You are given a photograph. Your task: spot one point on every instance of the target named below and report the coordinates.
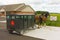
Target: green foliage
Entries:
(40, 12)
(53, 23)
(37, 12)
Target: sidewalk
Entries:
(48, 33)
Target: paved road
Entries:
(4, 35)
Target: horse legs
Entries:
(44, 23)
(40, 25)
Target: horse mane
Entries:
(44, 16)
(47, 14)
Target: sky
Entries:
(41, 5)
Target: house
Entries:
(22, 8)
(16, 8)
(19, 17)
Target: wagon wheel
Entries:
(20, 32)
(10, 31)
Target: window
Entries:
(13, 17)
(8, 17)
(25, 17)
(29, 17)
(17, 16)
(21, 16)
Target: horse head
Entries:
(44, 16)
(47, 14)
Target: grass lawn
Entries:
(53, 23)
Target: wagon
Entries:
(19, 22)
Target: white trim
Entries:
(19, 7)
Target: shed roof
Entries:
(12, 7)
(17, 7)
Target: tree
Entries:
(40, 12)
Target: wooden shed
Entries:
(19, 17)
(16, 7)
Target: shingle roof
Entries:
(12, 7)
(26, 8)
(17, 7)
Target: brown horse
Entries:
(41, 19)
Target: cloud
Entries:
(43, 5)
(1, 3)
(50, 8)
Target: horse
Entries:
(42, 19)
